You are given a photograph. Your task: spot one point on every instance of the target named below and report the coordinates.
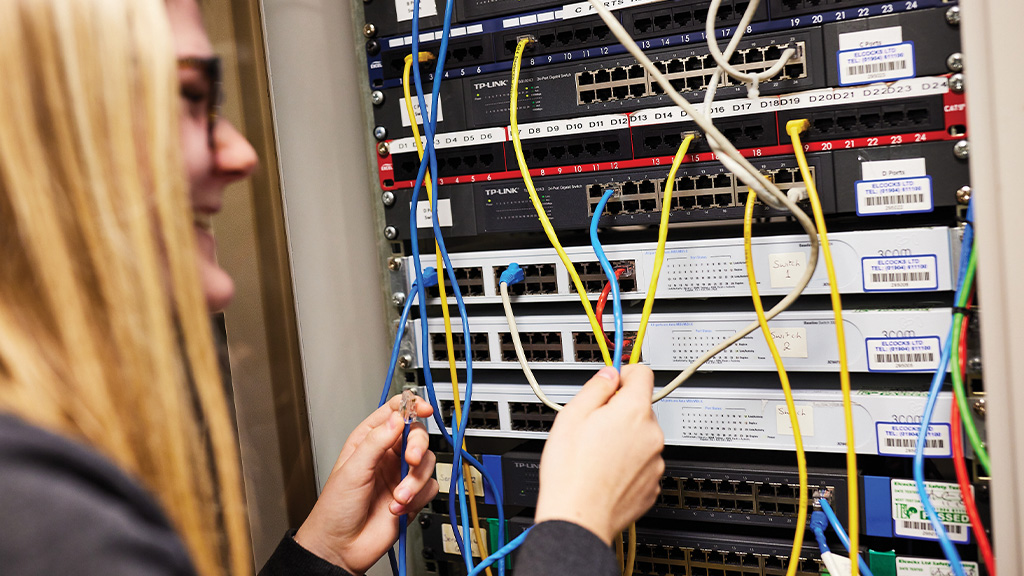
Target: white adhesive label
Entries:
(882, 274)
(451, 139)
(443, 472)
(892, 169)
(419, 116)
(901, 440)
(786, 269)
(444, 213)
(791, 342)
(931, 567)
(403, 9)
(452, 547)
(871, 38)
(910, 519)
(876, 64)
(580, 9)
(572, 126)
(897, 196)
(903, 354)
(804, 417)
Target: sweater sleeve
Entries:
(558, 548)
(291, 559)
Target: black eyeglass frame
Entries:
(212, 72)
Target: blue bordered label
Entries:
(900, 274)
(894, 196)
(903, 354)
(895, 439)
(876, 64)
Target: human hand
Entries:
(355, 521)
(602, 466)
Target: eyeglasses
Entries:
(210, 68)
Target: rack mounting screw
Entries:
(974, 363)
(398, 299)
(377, 97)
(955, 62)
(956, 83)
(404, 361)
(380, 133)
(369, 30)
(963, 194)
(383, 149)
(388, 198)
(394, 263)
(979, 406)
(962, 149)
(953, 15)
(372, 47)
(391, 232)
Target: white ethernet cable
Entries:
(752, 79)
(766, 190)
(520, 354)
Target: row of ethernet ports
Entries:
(537, 347)
(540, 279)
(656, 560)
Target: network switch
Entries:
(891, 260)
(728, 416)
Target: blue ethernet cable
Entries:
(818, 525)
(843, 537)
(403, 520)
(609, 272)
(948, 548)
(500, 554)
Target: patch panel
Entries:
(461, 52)
(682, 18)
(849, 122)
(687, 74)
(664, 552)
(713, 411)
(470, 280)
(586, 349)
(530, 417)
(537, 347)
(889, 340)
(482, 415)
(719, 492)
(858, 256)
(478, 347)
(593, 278)
(573, 150)
(785, 8)
(751, 131)
(454, 161)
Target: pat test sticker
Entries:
(910, 520)
(452, 547)
(894, 187)
(878, 55)
(804, 417)
(424, 218)
(419, 115)
(790, 342)
(784, 270)
(896, 439)
(443, 472)
(931, 567)
(403, 9)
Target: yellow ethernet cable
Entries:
(794, 128)
(544, 222)
(659, 256)
(794, 421)
(467, 471)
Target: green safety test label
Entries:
(910, 520)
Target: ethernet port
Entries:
(647, 187)
(643, 25)
(846, 122)
(918, 115)
(558, 152)
(486, 160)
(783, 176)
(685, 183)
(737, 58)
(601, 31)
(695, 63)
(564, 36)
(596, 190)
(602, 76)
(695, 83)
(723, 200)
(823, 125)
(469, 161)
(772, 53)
(668, 501)
(630, 206)
(547, 39)
(582, 34)
(637, 90)
(691, 502)
(676, 66)
(893, 117)
(610, 146)
(648, 205)
(663, 20)
(754, 55)
(870, 120)
(613, 208)
(656, 89)
(584, 78)
(619, 74)
(700, 15)
(629, 189)
(724, 13)
(722, 181)
(636, 71)
(753, 133)
(794, 71)
(705, 200)
(652, 142)
(662, 67)
(703, 182)
(587, 96)
(682, 18)
(673, 140)
(604, 94)
(620, 92)
(575, 150)
(678, 84)
(592, 148)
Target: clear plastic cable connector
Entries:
(408, 408)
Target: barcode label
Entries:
(903, 354)
(894, 196)
(876, 64)
(896, 439)
(906, 273)
(908, 514)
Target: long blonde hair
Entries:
(104, 334)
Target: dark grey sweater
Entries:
(65, 509)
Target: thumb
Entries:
(595, 393)
(375, 445)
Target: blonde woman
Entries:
(117, 455)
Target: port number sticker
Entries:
(903, 354)
(896, 439)
(910, 520)
(885, 274)
(452, 547)
(931, 567)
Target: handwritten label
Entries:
(452, 547)
(419, 116)
(444, 213)
(786, 269)
(804, 417)
(871, 38)
(791, 342)
(403, 10)
(443, 472)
